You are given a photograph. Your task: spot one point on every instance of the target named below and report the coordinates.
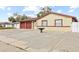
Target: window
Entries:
(44, 23)
(58, 22)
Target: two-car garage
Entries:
(26, 24)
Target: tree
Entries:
(40, 14)
(21, 17)
(44, 11)
(24, 17)
(15, 14)
(18, 18)
(11, 19)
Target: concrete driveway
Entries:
(33, 40)
(9, 48)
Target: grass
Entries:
(7, 28)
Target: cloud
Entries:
(5, 7)
(9, 14)
(8, 8)
(31, 15)
(59, 11)
(2, 7)
(2, 20)
(73, 8)
(30, 10)
(33, 9)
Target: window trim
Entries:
(61, 22)
(46, 23)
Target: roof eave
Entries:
(74, 19)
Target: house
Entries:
(16, 25)
(10, 24)
(52, 21)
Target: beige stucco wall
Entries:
(58, 29)
(51, 22)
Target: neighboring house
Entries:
(16, 25)
(9, 24)
(50, 21)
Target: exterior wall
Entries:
(7, 25)
(58, 29)
(17, 26)
(35, 25)
(67, 21)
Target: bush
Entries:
(7, 28)
(0, 26)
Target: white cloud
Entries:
(31, 8)
(4, 20)
(34, 9)
(73, 8)
(59, 11)
(8, 8)
(2, 7)
(5, 7)
(9, 14)
(31, 15)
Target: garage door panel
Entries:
(26, 25)
(22, 25)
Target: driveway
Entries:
(9, 48)
(33, 40)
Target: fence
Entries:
(75, 27)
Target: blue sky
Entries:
(7, 11)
